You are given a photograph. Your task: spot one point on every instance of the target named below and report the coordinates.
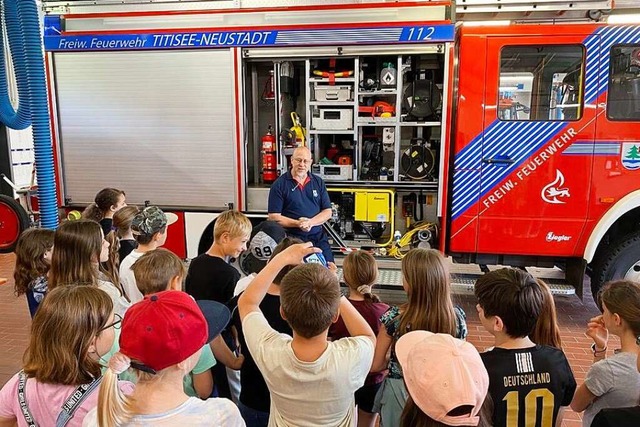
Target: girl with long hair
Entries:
(360, 273)
(58, 385)
(425, 278)
(547, 331)
(122, 223)
(111, 267)
(79, 250)
(118, 247)
(33, 259)
(107, 202)
(612, 382)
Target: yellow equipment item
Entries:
(74, 215)
(401, 247)
(321, 73)
(298, 130)
(372, 207)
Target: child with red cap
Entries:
(161, 339)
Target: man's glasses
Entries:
(303, 161)
(117, 321)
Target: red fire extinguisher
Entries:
(269, 168)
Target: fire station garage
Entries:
(473, 164)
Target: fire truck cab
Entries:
(545, 141)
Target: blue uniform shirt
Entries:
(288, 198)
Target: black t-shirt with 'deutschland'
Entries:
(528, 385)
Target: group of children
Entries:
(115, 340)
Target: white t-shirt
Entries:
(192, 413)
(127, 278)
(318, 393)
(243, 284)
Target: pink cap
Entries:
(443, 373)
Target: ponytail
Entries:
(360, 272)
(114, 407)
(104, 200)
(369, 296)
(93, 212)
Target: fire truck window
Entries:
(624, 83)
(541, 83)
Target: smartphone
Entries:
(315, 258)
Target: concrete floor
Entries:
(573, 313)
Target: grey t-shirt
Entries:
(615, 381)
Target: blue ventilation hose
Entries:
(22, 24)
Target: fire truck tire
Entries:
(206, 238)
(13, 221)
(619, 261)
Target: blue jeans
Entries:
(252, 417)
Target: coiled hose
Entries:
(398, 249)
(21, 21)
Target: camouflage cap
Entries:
(151, 220)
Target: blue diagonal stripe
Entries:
(519, 150)
(527, 137)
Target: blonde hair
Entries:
(114, 407)
(64, 326)
(360, 272)
(30, 263)
(77, 247)
(233, 222)
(155, 269)
(429, 306)
(122, 219)
(546, 330)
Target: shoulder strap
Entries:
(22, 399)
(75, 400)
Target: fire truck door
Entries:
(617, 160)
(533, 193)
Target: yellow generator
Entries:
(363, 217)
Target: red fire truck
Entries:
(502, 144)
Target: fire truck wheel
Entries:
(206, 239)
(619, 261)
(13, 220)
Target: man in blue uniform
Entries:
(299, 201)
